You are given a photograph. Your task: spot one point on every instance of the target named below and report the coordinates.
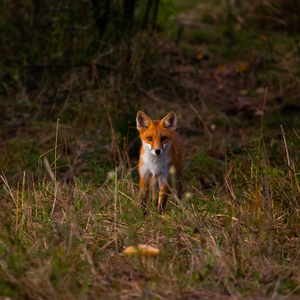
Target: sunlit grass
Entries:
(215, 241)
(235, 232)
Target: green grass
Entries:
(236, 230)
(216, 242)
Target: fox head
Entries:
(156, 135)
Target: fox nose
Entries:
(157, 151)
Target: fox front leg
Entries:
(144, 192)
(154, 185)
(162, 195)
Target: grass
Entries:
(236, 231)
(218, 242)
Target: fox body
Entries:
(161, 149)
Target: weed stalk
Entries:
(55, 155)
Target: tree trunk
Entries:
(101, 13)
(155, 12)
(145, 22)
(128, 6)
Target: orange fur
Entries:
(162, 148)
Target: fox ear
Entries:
(170, 120)
(142, 121)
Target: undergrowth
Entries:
(69, 150)
(66, 240)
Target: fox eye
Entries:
(149, 138)
(163, 138)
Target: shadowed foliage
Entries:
(73, 76)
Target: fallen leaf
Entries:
(242, 67)
(200, 56)
(221, 67)
(262, 36)
(141, 249)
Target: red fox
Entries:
(161, 149)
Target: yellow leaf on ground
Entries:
(141, 249)
(262, 37)
(242, 67)
(200, 56)
(221, 67)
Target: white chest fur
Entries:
(156, 164)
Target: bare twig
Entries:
(132, 142)
(296, 133)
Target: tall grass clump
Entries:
(73, 76)
(239, 239)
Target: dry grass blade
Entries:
(7, 187)
(202, 121)
(115, 213)
(48, 168)
(236, 236)
(289, 166)
(286, 148)
(55, 185)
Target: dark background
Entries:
(94, 64)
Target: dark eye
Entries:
(163, 138)
(149, 138)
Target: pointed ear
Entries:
(170, 120)
(142, 121)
